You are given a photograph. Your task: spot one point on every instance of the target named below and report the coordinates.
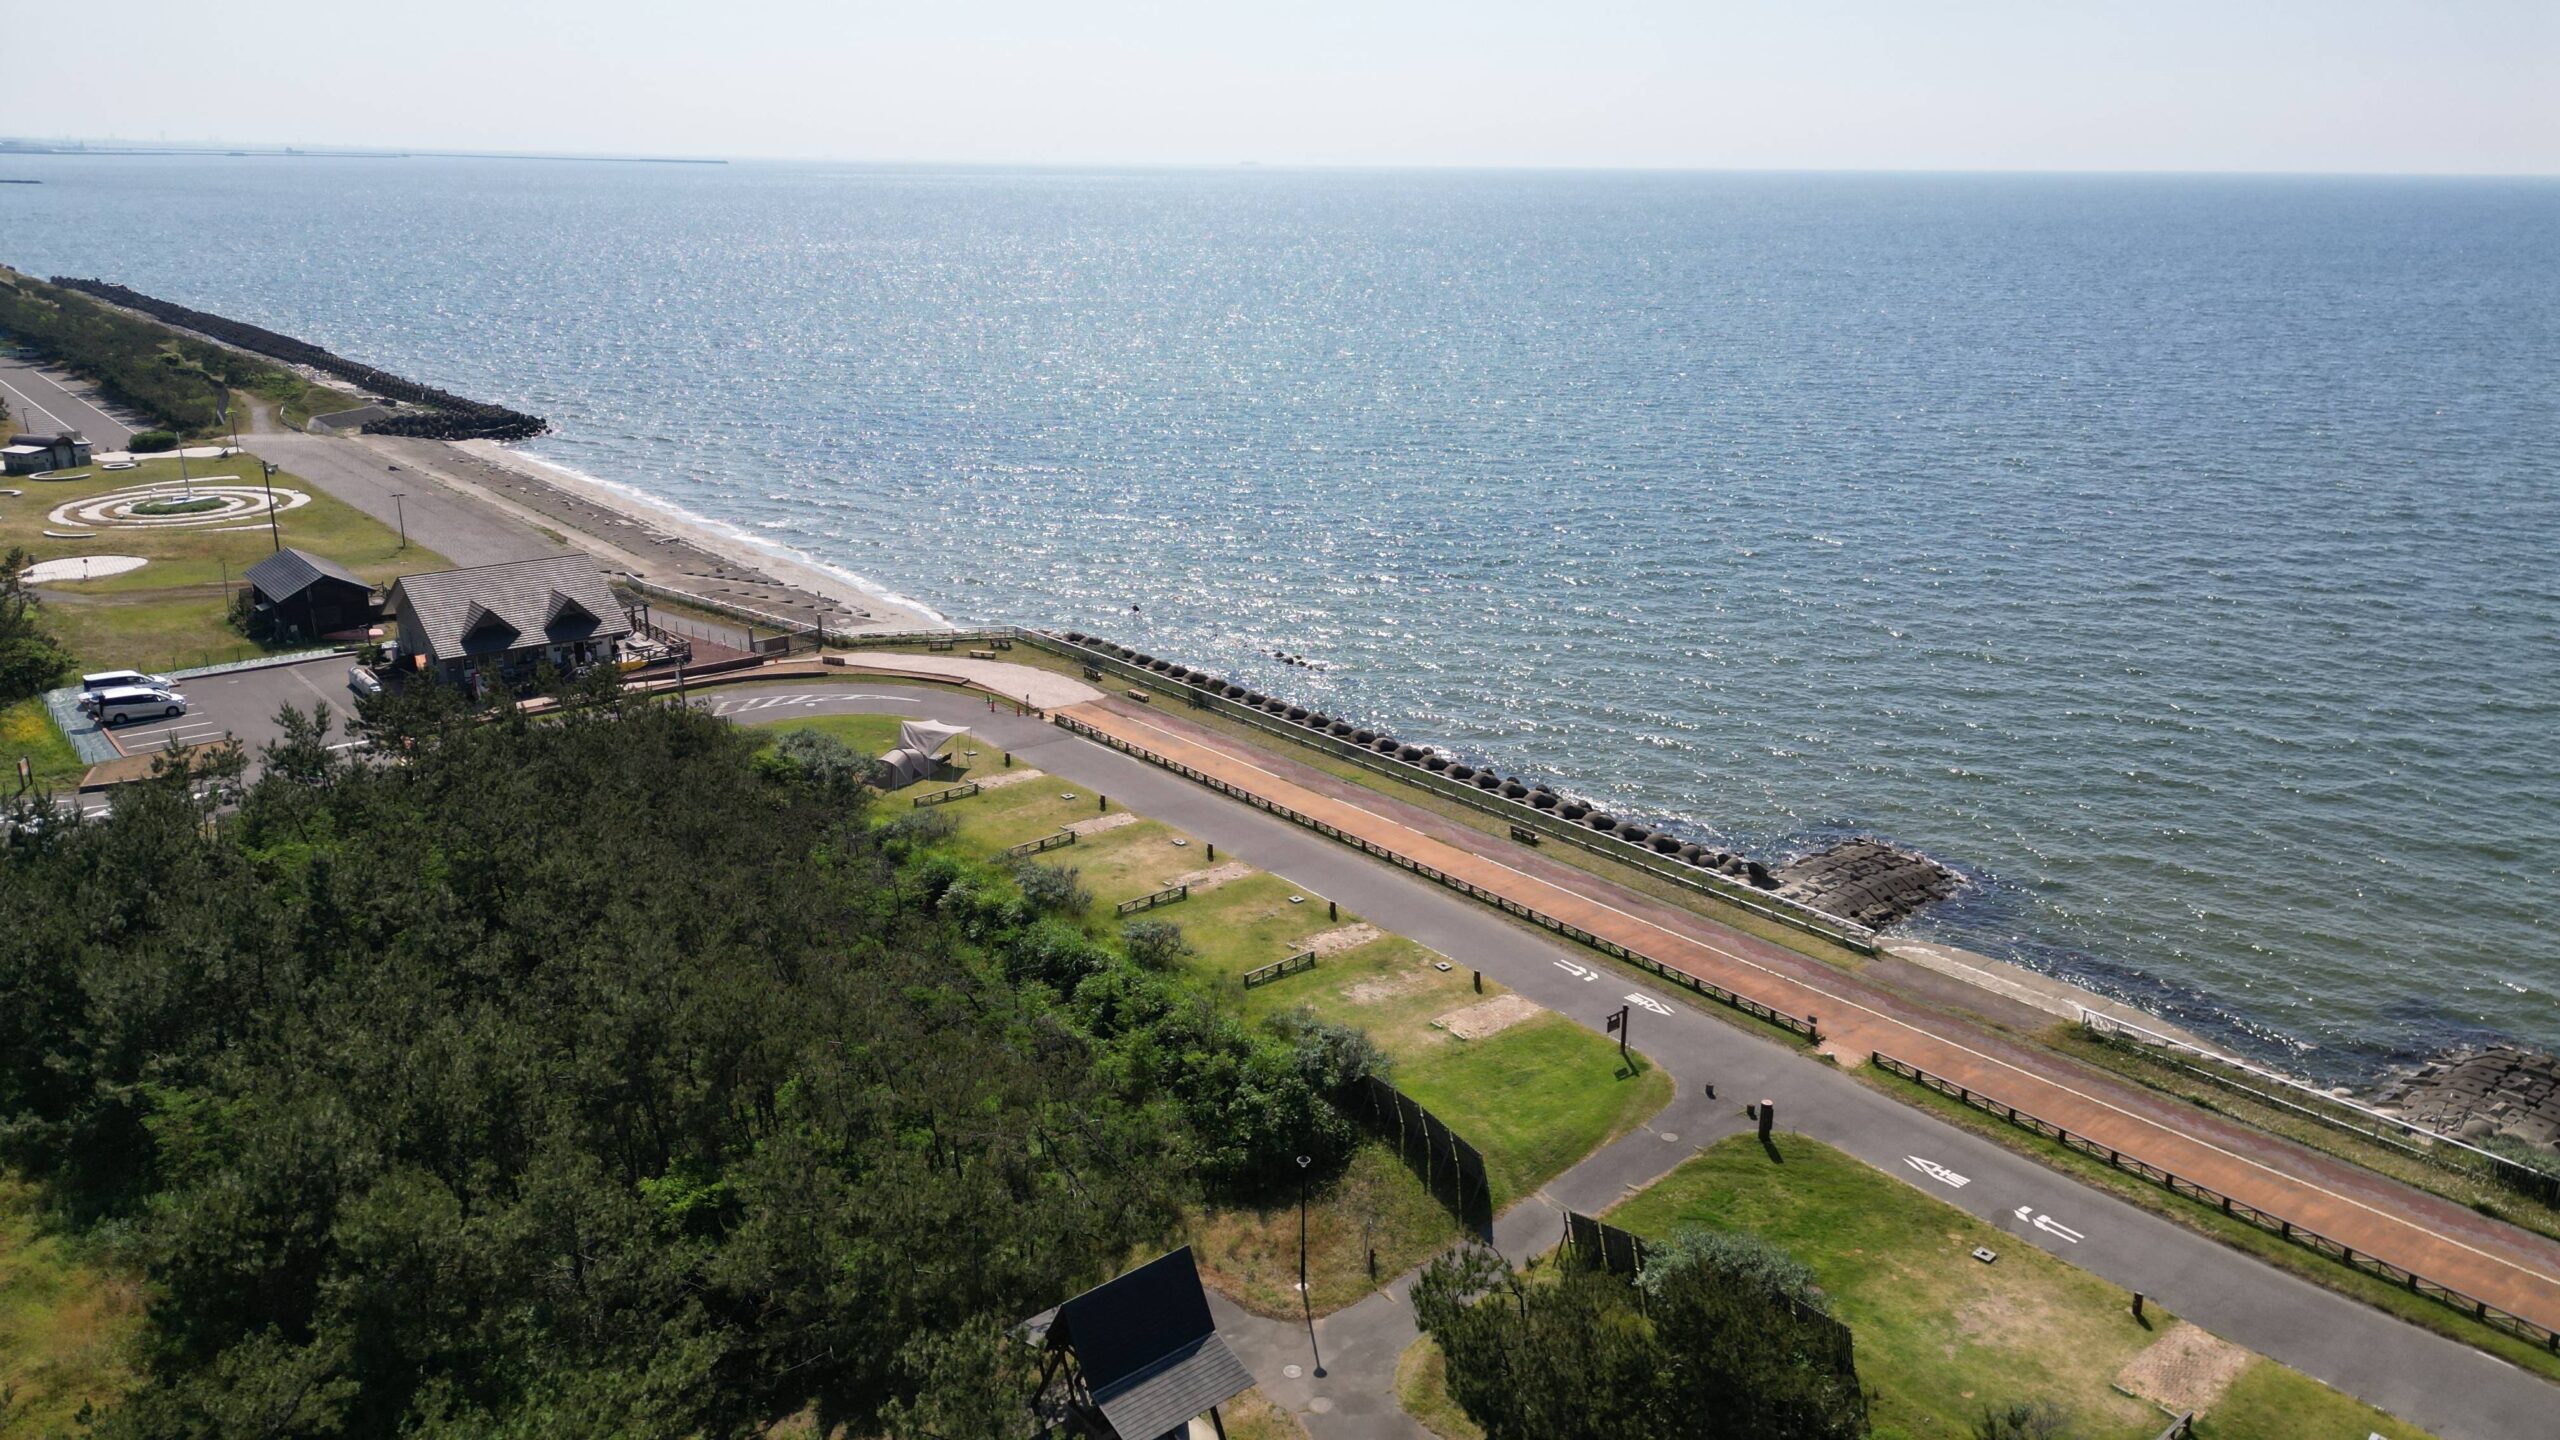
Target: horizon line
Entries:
(55, 148)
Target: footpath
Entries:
(2508, 1275)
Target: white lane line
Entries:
(31, 403)
(63, 392)
(1938, 1172)
(1833, 997)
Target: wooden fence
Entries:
(1034, 847)
(1671, 974)
(1265, 974)
(1167, 896)
(2309, 1239)
(961, 791)
(1518, 813)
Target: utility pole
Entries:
(397, 496)
(274, 534)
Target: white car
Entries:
(363, 681)
(126, 703)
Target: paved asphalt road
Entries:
(38, 401)
(2449, 1388)
(465, 532)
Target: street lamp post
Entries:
(1306, 1297)
(403, 511)
(274, 535)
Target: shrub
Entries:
(1051, 889)
(149, 440)
(1154, 944)
(2024, 1420)
(1734, 1256)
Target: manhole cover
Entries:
(1292, 1371)
(1670, 1137)
(1321, 1405)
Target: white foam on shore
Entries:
(648, 501)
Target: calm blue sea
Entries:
(2177, 557)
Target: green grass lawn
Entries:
(1535, 1097)
(68, 1328)
(2231, 1230)
(1941, 1335)
(27, 729)
(170, 614)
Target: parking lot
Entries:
(243, 704)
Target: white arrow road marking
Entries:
(2049, 1225)
(1937, 1172)
(1573, 970)
(1648, 1002)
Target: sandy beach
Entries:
(655, 541)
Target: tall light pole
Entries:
(273, 533)
(1306, 1297)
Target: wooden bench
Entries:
(1141, 696)
(1524, 835)
(982, 654)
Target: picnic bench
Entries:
(1524, 835)
(1141, 696)
(982, 654)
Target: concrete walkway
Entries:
(2523, 1285)
(2448, 1387)
(1045, 689)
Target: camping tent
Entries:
(913, 759)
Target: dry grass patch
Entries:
(2186, 1369)
(1347, 937)
(1488, 1018)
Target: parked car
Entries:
(92, 685)
(363, 681)
(123, 704)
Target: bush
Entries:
(1051, 889)
(145, 441)
(1154, 944)
(821, 763)
(2024, 1420)
(1733, 1256)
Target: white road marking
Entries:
(1937, 1172)
(1648, 1002)
(2049, 1225)
(1576, 971)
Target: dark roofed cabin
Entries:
(517, 614)
(298, 593)
(1140, 1356)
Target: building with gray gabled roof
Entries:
(310, 595)
(515, 615)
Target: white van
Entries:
(123, 704)
(92, 685)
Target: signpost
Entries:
(1618, 1027)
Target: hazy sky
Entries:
(2356, 85)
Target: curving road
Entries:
(41, 399)
(2428, 1380)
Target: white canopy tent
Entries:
(913, 759)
